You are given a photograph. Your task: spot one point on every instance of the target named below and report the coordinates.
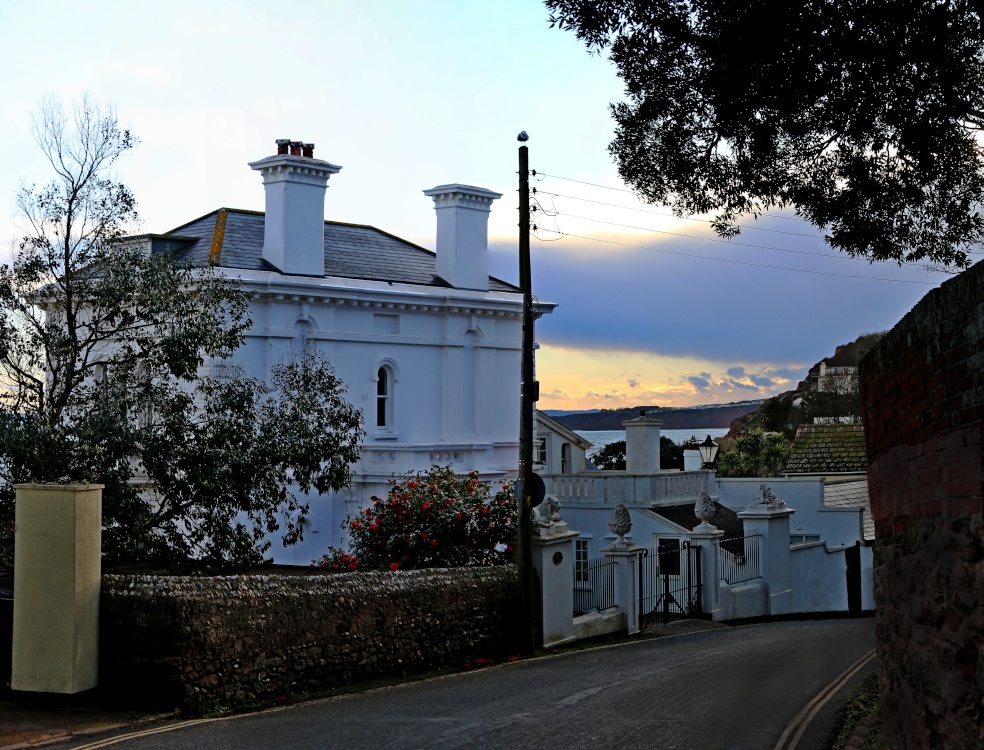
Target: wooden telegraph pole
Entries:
(527, 628)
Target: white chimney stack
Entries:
(294, 227)
(463, 234)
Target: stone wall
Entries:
(237, 640)
(923, 409)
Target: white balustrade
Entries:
(614, 487)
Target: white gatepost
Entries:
(705, 538)
(626, 581)
(57, 566)
(768, 516)
(625, 555)
(553, 561)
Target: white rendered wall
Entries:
(836, 526)
(432, 342)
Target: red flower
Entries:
(373, 528)
(485, 510)
(458, 515)
(433, 542)
(394, 566)
(424, 535)
(352, 566)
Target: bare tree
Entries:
(101, 341)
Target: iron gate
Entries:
(669, 583)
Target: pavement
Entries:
(31, 720)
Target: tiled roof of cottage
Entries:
(851, 494)
(828, 449)
(233, 238)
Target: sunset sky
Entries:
(409, 94)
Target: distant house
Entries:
(829, 450)
(556, 449)
(428, 343)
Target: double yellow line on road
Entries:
(791, 736)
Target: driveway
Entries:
(727, 688)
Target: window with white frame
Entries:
(384, 399)
(581, 561)
(540, 451)
(565, 458)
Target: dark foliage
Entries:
(863, 115)
(612, 456)
(437, 519)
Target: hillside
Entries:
(786, 411)
(693, 418)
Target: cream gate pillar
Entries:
(768, 516)
(553, 561)
(57, 565)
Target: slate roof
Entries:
(827, 449)
(683, 515)
(851, 494)
(354, 251)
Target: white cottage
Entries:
(428, 344)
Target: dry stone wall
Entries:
(923, 409)
(200, 642)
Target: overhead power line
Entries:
(730, 260)
(632, 192)
(720, 240)
(670, 214)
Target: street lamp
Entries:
(708, 451)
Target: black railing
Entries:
(738, 559)
(594, 585)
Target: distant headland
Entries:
(686, 418)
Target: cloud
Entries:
(586, 378)
(700, 383)
(632, 299)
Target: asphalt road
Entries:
(725, 689)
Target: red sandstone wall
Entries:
(923, 409)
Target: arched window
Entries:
(565, 458)
(384, 399)
(304, 341)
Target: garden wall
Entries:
(200, 642)
(923, 410)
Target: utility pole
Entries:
(527, 628)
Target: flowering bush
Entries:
(437, 519)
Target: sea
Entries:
(600, 438)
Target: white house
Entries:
(556, 449)
(428, 343)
